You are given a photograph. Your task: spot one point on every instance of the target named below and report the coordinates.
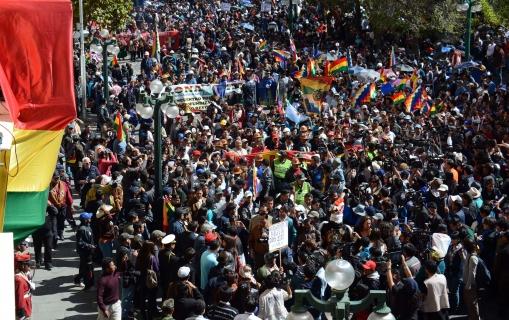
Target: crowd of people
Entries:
(415, 200)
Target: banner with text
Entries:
(278, 236)
(198, 96)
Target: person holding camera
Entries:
(272, 300)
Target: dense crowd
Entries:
(415, 201)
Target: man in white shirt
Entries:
(250, 309)
(436, 300)
(272, 300)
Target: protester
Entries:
(397, 165)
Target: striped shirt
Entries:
(222, 311)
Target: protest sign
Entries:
(266, 7)
(225, 7)
(198, 96)
(278, 236)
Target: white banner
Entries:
(278, 236)
(266, 7)
(225, 6)
(198, 96)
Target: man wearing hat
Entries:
(85, 248)
(23, 286)
(168, 307)
(59, 201)
(168, 262)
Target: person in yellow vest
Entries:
(301, 188)
(281, 165)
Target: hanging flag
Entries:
(365, 94)
(392, 58)
(293, 114)
(119, 129)
(415, 100)
(398, 97)
(263, 45)
(338, 66)
(313, 89)
(38, 105)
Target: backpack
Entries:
(151, 280)
(482, 275)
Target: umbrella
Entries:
(404, 67)
(466, 65)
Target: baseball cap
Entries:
(210, 237)
(157, 234)
(183, 272)
(369, 265)
(85, 216)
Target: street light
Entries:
(469, 7)
(157, 100)
(105, 46)
(339, 275)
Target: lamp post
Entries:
(340, 275)
(106, 45)
(158, 102)
(469, 7)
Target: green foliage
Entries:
(489, 16)
(111, 14)
(419, 18)
(501, 9)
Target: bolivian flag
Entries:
(337, 66)
(37, 82)
(313, 89)
(398, 97)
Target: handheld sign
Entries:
(278, 236)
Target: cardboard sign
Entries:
(278, 236)
(266, 7)
(225, 6)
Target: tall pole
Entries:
(83, 72)
(158, 151)
(290, 15)
(469, 27)
(105, 73)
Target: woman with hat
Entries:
(24, 287)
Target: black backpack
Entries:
(482, 275)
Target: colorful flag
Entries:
(167, 210)
(156, 45)
(297, 74)
(401, 84)
(39, 104)
(311, 68)
(114, 61)
(414, 79)
(263, 45)
(365, 94)
(117, 125)
(293, 51)
(313, 89)
(280, 55)
(415, 100)
(386, 89)
(398, 97)
(392, 58)
(338, 66)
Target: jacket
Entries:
(84, 240)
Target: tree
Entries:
(420, 18)
(111, 14)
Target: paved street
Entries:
(56, 297)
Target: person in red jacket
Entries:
(23, 288)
